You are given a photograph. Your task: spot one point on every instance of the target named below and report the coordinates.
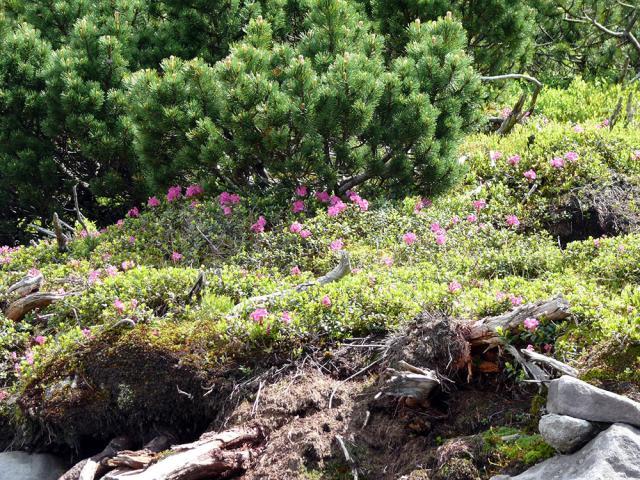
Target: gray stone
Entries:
(573, 397)
(566, 434)
(613, 455)
(25, 466)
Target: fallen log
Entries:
(343, 268)
(29, 284)
(214, 455)
(485, 331)
(91, 468)
(18, 309)
(139, 459)
(408, 381)
(549, 362)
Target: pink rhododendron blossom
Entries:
(127, 265)
(94, 276)
(441, 238)
(531, 324)
(119, 306)
(505, 112)
(479, 204)
(333, 199)
(571, 156)
(258, 227)
(176, 257)
(361, 202)
(337, 208)
(530, 348)
(259, 314)
(557, 162)
(530, 175)
(302, 191)
(28, 357)
(84, 233)
(435, 227)
(228, 199)
(495, 155)
(34, 272)
(472, 218)
(174, 193)
(132, 239)
(111, 271)
(513, 221)
(227, 210)
(120, 223)
(194, 190)
(295, 271)
(409, 238)
(305, 234)
(605, 122)
(86, 333)
(326, 301)
(3, 395)
(547, 347)
(578, 128)
(295, 227)
(635, 155)
(298, 206)
(134, 304)
(516, 301)
(500, 296)
(454, 286)
(514, 160)
(40, 340)
(133, 213)
(194, 204)
(455, 220)
(153, 202)
(323, 196)
(422, 204)
(388, 261)
(596, 242)
(286, 317)
(337, 245)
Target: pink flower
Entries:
(305, 234)
(295, 227)
(298, 206)
(495, 155)
(84, 233)
(337, 245)
(28, 357)
(227, 210)
(286, 317)
(571, 156)
(258, 227)
(454, 286)
(472, 218)
(515, 300)
(337, 208)
(422, 204)
(86, 333)
(153, 202)
(127, 265)
(596, 242)
(134, 304)
(479, 204)
(605, 122)
(513, 221)
(259, 314)
(530, 175)
(133, 213)
(500, 296)
(530, 348)
(388, 261)
(435, 227)
(361, 202)
(441, 238)
(295, 271)
(514, 160)
(120, 223)
(228, 199)
(132, 239)
(302, 191)
(111, 271)
(176, 257)
(40, 340)
(635, 155)
(174, 193)
(547, 347)
(578, 128)
(409, 238)
(3, 395)
(119, 306)
(194, 190)
(557, 162)
(454, 220)
(505, 112)
(34, 272)
(94, 276)
(326, 301)
(333, 199)
(531, 324)
(323, 196)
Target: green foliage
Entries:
(328, 110)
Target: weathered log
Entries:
(549, 362)
(61, 238)
(18, 309)
(408, 381)
(485, 331)
(215, 455)
(91, 468)
(142, 458)
(343, 268)
(29, 284)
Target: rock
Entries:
(573, 397)
(25, 466)
(613, 455)
(566, 434)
